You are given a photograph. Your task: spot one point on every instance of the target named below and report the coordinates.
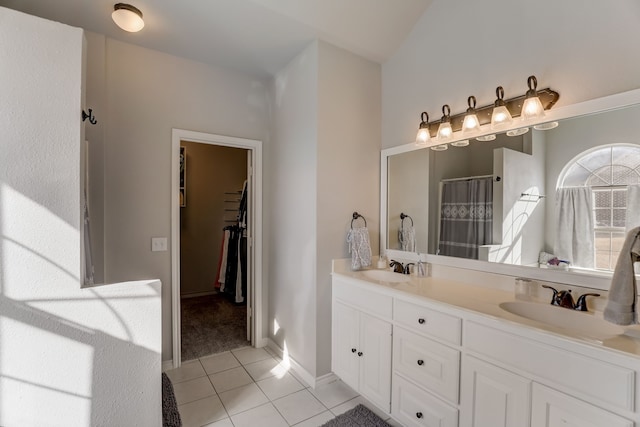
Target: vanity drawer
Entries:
(590, 379)
(427, 321)
(415, 407)
(432, 365)
(365, 300)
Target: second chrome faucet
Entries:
(565, 299)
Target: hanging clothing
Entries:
(466, 217)
(222, 269)
(574, 226)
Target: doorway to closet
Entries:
(216, 216)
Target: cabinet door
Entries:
(345, 344)
(493, 397)
(375, 360)
(550, 408)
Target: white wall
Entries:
(324, 161)
(62, 348)
(349, 113)
(291, 203)
(460, 48)
(147, 93)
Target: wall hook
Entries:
(89, 116)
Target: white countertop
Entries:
(485, 300)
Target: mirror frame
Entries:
(594, 279)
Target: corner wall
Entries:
(62, 347)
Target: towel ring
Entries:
(356, 215)
(403, 216)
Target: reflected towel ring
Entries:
(403, 216)
(356, 215)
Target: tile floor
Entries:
(251, 387)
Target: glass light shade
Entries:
(484, 138)
(127, 19)
(500, 118)
(532, 108)
(445, 133)
(423, 137)
(462, 143)
(470, 124)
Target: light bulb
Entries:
(532, 107)
(500, 117)
(470, 124)
(445, 132)
(423, 135)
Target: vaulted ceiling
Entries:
(257, 37)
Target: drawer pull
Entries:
(353, 350)
(419, 415)
(421, 321)
(359, 354)
(420, 362)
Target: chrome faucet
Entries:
(565, 299)
(407, 269)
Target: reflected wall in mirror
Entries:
(407, 193)
(569, 193)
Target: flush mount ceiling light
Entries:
(517, 132)
(546, 126)
(471, 124)
(423, 131)
(127, 17)
(462, 143)
(445, 132)
(440, 147)
(500, 115)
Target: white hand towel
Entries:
(621, 307)
(359, 247)
(407, 237)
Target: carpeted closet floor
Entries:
(211, 324)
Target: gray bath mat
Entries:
(360, 416)
(170, 414)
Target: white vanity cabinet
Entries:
(492, 396)
(454, 367)
(361, 342)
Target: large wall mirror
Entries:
(551, 204)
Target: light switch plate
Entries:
(158, 244)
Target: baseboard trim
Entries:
(297, 368)
(262, 342)
(326, 379)
(167, 365)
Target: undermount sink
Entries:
(581, 323)
(386, 276)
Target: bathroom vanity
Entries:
(437, 352)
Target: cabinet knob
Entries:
(419, 415)
(360, 354)
(421, 321)
(353, 350)
(420, 362)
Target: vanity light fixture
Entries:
(423, 131)
(500, 116)
(445, 132)
(532, 107)
(471, 124)
(127, 17)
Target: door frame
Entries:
(255, 225)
